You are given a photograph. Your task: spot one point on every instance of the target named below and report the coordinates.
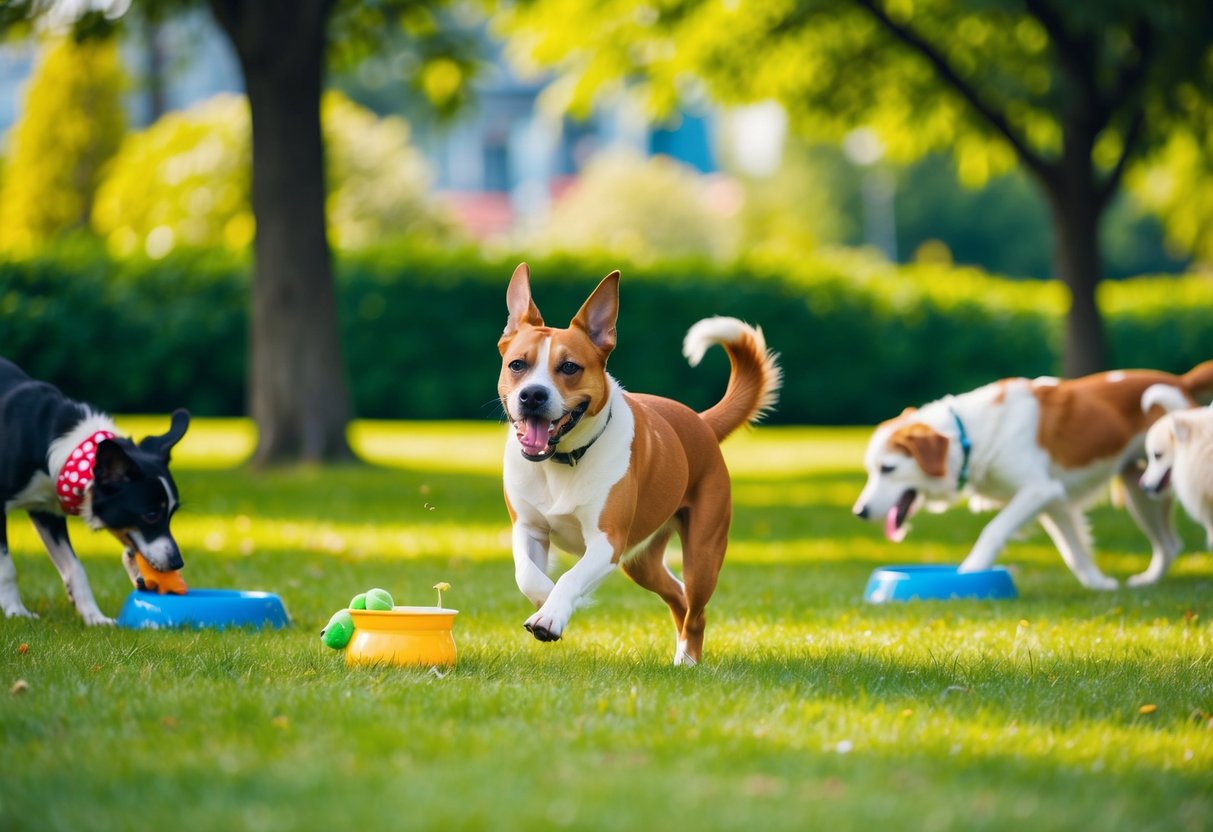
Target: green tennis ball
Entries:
(338, 632)
(359, 601)
(379, 599)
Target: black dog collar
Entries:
(572, 457)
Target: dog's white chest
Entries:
(566, 501)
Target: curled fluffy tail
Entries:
(754, 382)
(1195, 386)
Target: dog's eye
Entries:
(887, 469)
(517, 365)
(152, 516)
(568, 368)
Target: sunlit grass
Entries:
(1063, 709)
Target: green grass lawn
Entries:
(1065, 709)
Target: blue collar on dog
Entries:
(965, 446)
(572, 457)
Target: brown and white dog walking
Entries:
(609, 476)
(1036, 448)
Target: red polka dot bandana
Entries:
(77, 473)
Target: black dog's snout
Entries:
(175, 561)
(862, 513)
(533, 398)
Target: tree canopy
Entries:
(1075, 93)
(993, 81)
(71, 125)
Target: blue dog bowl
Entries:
(907, 583)
(209, 608)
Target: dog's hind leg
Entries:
(1154, 518)
(10, 598)
(704, 541)
(1065, 526)
(53, 531)
(648, 569)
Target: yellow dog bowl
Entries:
(406, 636)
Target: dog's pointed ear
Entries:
(1181, 426)
(928, 446)
(114, 465)
(518, 301)
(163, 445)
(598, 314)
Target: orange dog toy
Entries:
(165, 583)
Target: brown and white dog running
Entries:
(1037, 448)
(609, 476)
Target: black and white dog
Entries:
(60, 457)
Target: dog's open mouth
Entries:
(895, 528)
(539, 437)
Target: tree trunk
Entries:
(297, 388)
(1075, 201)
(1076, 263)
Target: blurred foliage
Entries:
(811, 201)
(647, 207)
(834, 66)
(1004, 227)
(71, 123)
(429, 51)
(185, 180)
(640, 209)
(1177, 183)
(177, 327)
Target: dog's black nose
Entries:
(862, 513)
(533, 398)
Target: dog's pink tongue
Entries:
(891, 530)
(534, 439)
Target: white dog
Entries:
(1038, 448)
(1179, 456)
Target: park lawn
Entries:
(1064, 709)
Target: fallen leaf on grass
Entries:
(1147, 709)
(19, 686)
(22, 648)
(168, 721)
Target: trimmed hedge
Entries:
(859, 339)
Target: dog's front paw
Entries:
(1103, 583)
(1143, 579)
(19, 611)
(96, 618)
(545, 626)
